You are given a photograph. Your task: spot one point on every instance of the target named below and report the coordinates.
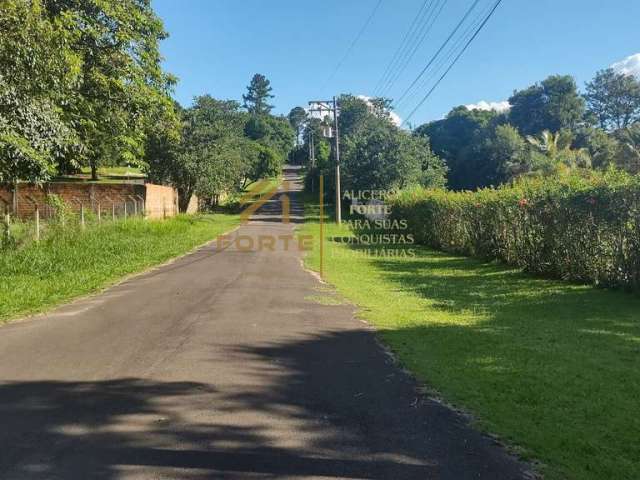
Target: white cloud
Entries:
(629, 65)
(395, 118)
(484, 105)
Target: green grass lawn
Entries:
(552, 368)
(73, 263)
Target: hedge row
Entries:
(579, 229)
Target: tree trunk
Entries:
(184, 197)
(94, 171)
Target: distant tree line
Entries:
(550, 128)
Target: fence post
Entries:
(82, 225)
(176, 204)
(164, 208)
(135, 206)
(99, 213)
(113, 212)
(7, 218)
(142, 207)
(125, 209)
(37, 223)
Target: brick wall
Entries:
(159, 200)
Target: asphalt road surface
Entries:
(222, 364)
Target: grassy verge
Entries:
(549, 366)
(72, 263)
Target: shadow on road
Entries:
(357, 416)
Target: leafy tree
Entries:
(381, 156)
(297, 118)
(204, 154)
(258, 95)
(458, 140)
(32, 137)
(614, 99)
(557, 154)
(378, 155)
(39, 71)
(553, 104)
(121, 81)
(507, 150)
(628, 156)
(354, 112)
(274, 132)
(602, 147)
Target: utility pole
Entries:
(338, 192)
(312, 159)
(331, 107)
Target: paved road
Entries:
(221, 365)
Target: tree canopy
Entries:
(613, 99)
(92, 72)
(256, 100)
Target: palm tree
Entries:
(629, 156)
(556, 147)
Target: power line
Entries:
(433, 58)
(444, 60)
(353, 44)
(496, 5)
(437, 10)
(401, 47)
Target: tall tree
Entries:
(121, 79)
(297, 117)
(258, 94)
(39, 72)
(458, 140)
(614, 99)
(553, 104)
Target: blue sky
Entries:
(215, 46)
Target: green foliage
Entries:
(210, 160)
(273, 132)
(213, 148)
(81, 83)
(459, 139)
(613, 99)
(297, 118)
(38, 72)
(553, 104)
(507, 150)
(582, 228)
(63, 211)
(375, 153)
(258, 94)
(628, 154)
(381, 157)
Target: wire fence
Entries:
(33, 221)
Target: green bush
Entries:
(584, 229)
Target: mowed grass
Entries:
(73, 263)
(552, 368)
